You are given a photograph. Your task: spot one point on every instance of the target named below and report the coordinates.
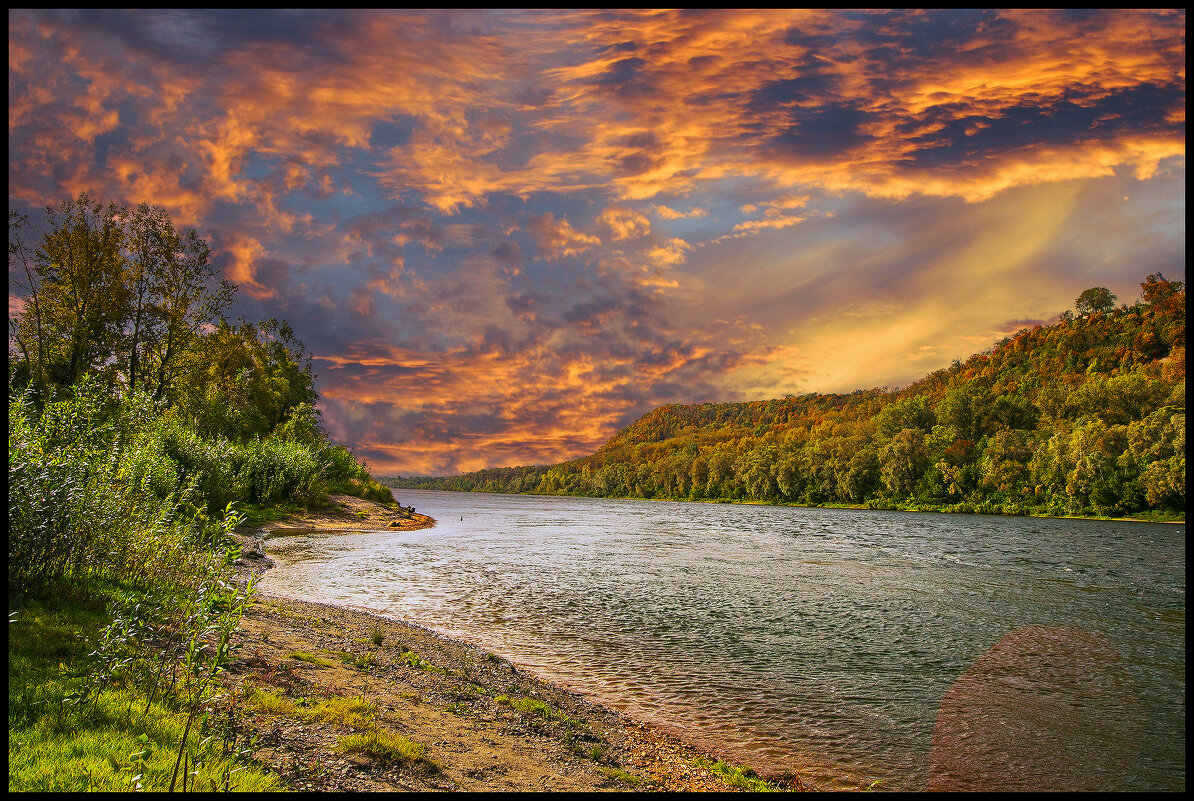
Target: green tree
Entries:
(1095, 299)
(1004, 463)
(904, 459)
(111, 291)
(244, 381)
(75, 296)
(913, 412)
(174, 295)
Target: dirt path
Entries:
(485, 725)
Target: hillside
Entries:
(1082, 417)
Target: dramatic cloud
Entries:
(503, 234)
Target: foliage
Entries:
(109, 290)
(1082, 417)
(138, 418)
(116, 684)
(1095, 299)
(121, 301)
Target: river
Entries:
(852, 646)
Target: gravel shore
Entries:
(484, 724)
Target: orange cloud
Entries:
(454, 177)
(669, 253)
(625, 223)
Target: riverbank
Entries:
(476, 722)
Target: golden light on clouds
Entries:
(506, 233)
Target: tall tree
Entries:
(77, 296)
(106, 289)
(1095, 299)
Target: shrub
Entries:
(275, 470)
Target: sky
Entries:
(503, 235)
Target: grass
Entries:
(270, 703)
(385, 746)
(536, 708)
(116, 753)
(358, 661)
(117, 743)
(577, 734)
(356, 713)
(734, 776)
(412, 659)
(303, 656)
(622, 776)
(257, 514)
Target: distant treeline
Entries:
(1083, 417)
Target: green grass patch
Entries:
(356, 713)
(532, 707)
(303, 656)
(459, 709)
(119, 741)
(269, 702)
(412, 659)
(734, 776)
(258, 514)
(385, 746)
(358, 661)
(620, 775)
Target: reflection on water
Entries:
(847, 645)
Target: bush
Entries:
(276, 470)
(71, 509)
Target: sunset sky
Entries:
(506, 234)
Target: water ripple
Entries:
(817, 640)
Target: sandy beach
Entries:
(485, 724)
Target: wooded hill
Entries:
(1083, 417)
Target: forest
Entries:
(1084, 417)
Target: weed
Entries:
(303, 656)
(622, 776)
(270, 702)
(377, 635)
(734, 776)
(383, 745)
(358, 661)
(414, 660)
(532, 707)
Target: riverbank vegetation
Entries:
(1084, 417)
(140, 421)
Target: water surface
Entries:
(823, 641)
